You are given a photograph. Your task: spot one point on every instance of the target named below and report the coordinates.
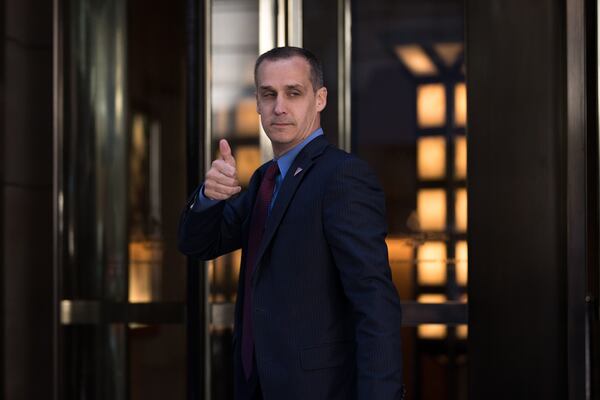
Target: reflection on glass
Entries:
(432, 331)
(431, 157)
(431, 263)
(431, 209)
(144, 270)
(145, 243)
(461, 256)
(461, 210)
(416, 60)
(460, 104)
(460, 157)
(431, 105)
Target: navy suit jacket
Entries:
(326, 313)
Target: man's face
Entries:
(287, 102)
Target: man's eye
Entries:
(294, 94)
(269, 95)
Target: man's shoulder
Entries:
(339, 159)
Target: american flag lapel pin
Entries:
(298, 170)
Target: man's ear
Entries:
(321, 98)
(257, 106)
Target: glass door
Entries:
(409, 123)
(240, 30)
(397, 98)
(120, 184)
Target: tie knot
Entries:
(272, 171)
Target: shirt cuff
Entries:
(202, 202)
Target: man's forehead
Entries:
(292, 71)
(288, 85)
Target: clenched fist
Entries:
(221, 179)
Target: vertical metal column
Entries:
(195, 121)
(577, 208)
(57, 195)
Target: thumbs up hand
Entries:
(221, 179)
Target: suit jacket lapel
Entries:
(304, 162)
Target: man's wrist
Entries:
(202, 202)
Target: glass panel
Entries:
(124, 184)
(234, 48)
(408, 122)
(95, 193)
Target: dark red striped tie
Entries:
(257, 227)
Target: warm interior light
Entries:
(416, 60)
(431, 105)
(461, 256)
(431, 263)
(460, 160)
(461, 210)
(400, 254)
(145, 257)
(460, 104)
(448, 52)
(246, 118)
(431, 209)
(462, 331)
(247, 160)
(432, 331)
(431, 157)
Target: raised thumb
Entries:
(226, 152)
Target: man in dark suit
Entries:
(317, 315)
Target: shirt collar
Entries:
(285, 161)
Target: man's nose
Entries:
(280, 105)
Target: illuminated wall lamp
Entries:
(431, 105)
(431, 157)
(460, 157)
(462, 331)
(448, 52)
(461, 210)
(416, 60)
(431, 263)
(461, 255)
(432, 331)
(460, 104)
(431, 209)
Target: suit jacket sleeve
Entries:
(216, 230)
(355, 228)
